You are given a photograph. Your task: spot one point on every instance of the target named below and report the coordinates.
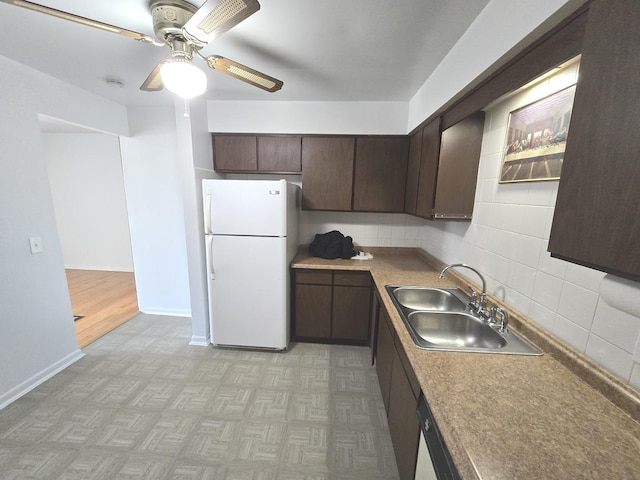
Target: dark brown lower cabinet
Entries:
(332, 307)
(403, 421)
(313, 311)
(384, 356)
(400, 393)
(350, 315)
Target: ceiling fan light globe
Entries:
(183, 78)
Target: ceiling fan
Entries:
(185, 29)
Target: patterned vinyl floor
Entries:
(143, 404)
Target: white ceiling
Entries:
(323, 50)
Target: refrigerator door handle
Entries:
(210, 269)
(207, 214)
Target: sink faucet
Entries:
(481, 305)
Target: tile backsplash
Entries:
(366, 229)
(507, 241)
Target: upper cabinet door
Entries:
(327, 173)
(413, 172)
(380, 174)
(458, 168)
(429, 159)
(597, 214)
(279, 154)
(235, 153)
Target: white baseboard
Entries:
(99, 268)
(200, 341)
(41, 377)
(171, 312)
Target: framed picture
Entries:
(536, 138)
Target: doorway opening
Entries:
(87, 186)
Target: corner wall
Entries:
(38, 335)
(156, 217)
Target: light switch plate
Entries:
(36, 244)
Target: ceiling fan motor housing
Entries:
(169, 16)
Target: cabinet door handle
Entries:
(427, 425)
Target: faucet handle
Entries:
(474, 298)
(504, 318)
(482, 303)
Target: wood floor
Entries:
(105, 300)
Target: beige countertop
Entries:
(557, 416)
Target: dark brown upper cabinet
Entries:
(443, 169)
(413, 172)
(280, 154)
(327, 173)
(235, 153)
(244, 153)
(457, 176)
(429, 159)
(380, 174)
(597, 214)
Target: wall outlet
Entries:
(36, 244)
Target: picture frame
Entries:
(536, 139)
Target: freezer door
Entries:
(248, 293)
(245, 207)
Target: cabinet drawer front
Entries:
(356, 279)
(314, 277)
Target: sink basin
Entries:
(434, 299)
(440, 319)
(454, 330)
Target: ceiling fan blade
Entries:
(82, 20)
(215, 17)
(153, 83)
(244, 73)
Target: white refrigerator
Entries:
(251, 237)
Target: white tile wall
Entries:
(366, 229)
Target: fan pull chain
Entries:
(186, 109)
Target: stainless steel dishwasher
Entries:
(434, 461)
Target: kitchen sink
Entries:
(454, 330)
(423, 298)
(441, 319)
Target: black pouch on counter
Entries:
(332, 245)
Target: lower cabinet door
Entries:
(351, 314)
(403, 421)
(384, 357)
(313, 311)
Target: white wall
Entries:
(156, 216)
(308, 117)
(497, 32)
(38, 336)
(507, 241)
(195, 164)
(85, 174)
